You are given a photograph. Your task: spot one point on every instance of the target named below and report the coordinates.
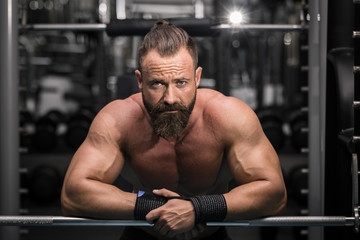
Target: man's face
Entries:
(168, 121)
(168, 86)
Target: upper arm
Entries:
(252, 161)
(99, 157)
(249, 153)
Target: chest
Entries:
(193, 163)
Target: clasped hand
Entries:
(176, 218)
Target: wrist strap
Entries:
(145, 202)
(209, 208)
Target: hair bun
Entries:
(162, 22)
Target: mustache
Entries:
(161, 107)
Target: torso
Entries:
(191, 165)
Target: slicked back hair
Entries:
(167, 39)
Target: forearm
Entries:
(255, 199)
(91, 198)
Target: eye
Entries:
(156, 84)
(181, 83)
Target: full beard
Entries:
(169, 125)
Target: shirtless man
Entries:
(178, 143)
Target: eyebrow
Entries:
(182, 79)
(163, 81)
(156, 80)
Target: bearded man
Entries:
(179, 146)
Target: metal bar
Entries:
(9, 112)
(65, 27)
(313, 221)
(287, 221)
(272, 27)
(355, 190)
(102, 27)
(317, 60)
(64, 221)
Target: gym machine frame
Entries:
(120, 28)
(271, 221)
(356, 108)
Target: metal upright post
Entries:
(9, 115)
(317, 92)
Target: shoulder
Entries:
(130, 107)
(119, 115)
(229, 115)
(224, 108)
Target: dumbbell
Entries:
(77, 128)
(46, 136)
(44, 184)
(272, 124)
(298, 121)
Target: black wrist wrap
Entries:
(145, 202)
(209, 208)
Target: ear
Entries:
(139, 79)
(198, 76)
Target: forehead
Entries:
(180, 61)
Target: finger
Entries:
(164, 230)
(194, 233)
(152, 216)
(158, 225)
(164, 192)
(201, 227)
(172, 234)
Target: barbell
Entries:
(131, 27)
(283, 221)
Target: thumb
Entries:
(165, 193)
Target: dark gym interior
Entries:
(296, 63)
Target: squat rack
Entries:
(9, 152)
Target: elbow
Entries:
(65, 204)
(68, 202)
(65, 209)
(279, 201)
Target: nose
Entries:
(169, 95)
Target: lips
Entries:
(171, 111)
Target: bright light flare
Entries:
(236, 17)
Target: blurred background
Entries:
(289, 63)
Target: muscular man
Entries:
(179, 146)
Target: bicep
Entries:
(250, 162)
(99, 157)
(250, 155)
